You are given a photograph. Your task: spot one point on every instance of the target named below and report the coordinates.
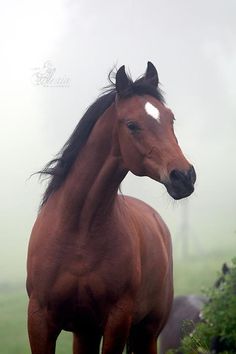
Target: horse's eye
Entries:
(133, 126)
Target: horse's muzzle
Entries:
(181, 183)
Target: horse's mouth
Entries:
(179, 192)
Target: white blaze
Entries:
(152, 111)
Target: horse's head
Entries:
(148, 145)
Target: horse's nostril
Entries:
(192, 175)
(176, 176)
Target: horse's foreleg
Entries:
(86, 343)
(42, 331)
(117, 329)
(145, 345)
(143, 339)
(143, 336)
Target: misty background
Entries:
(192, 44)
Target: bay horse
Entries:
(184, 315)
(186, 312)
(100, 263)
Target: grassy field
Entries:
(191, 275)
(13, 332)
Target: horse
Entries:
(100, 263)
(186, 312)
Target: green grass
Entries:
(195, 274)
(13, 324)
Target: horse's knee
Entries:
(143, 343)
(42, 331)
(143, 337)
(86, 343)
(116, 332)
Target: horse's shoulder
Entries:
(135, 204)
(142, 213)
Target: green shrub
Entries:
(217, 331)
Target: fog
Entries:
(192, 44)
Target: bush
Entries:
(217, 331)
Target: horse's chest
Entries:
(89, 283)
(88, 298)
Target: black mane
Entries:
(58, 168)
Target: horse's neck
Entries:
(89, 192)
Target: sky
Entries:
(192, 44)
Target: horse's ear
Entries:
(151, 74)
(122, 81)
(225, 269)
